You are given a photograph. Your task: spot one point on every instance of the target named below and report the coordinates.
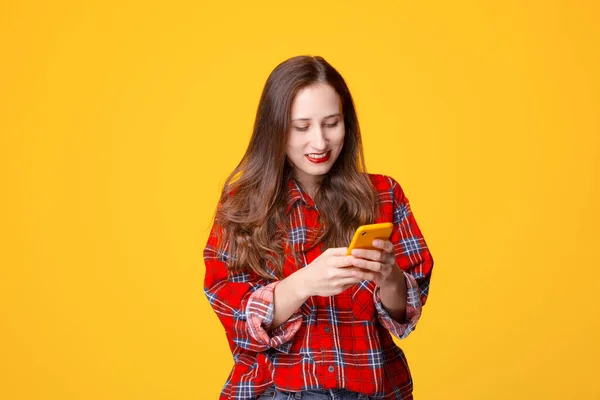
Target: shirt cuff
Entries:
(413, 310)
(260, 313)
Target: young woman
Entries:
(303, 319)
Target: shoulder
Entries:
(386, 185)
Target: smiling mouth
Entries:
(317, 158)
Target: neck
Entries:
(309, 184)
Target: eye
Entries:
(332, 125)
(301, 128)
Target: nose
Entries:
(318, 140)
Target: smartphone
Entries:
(364, 236)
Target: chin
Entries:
(318, 170)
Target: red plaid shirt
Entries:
(340, 341)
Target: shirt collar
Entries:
(295, 193)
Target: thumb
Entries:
(336, 251)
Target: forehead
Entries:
(316, 101)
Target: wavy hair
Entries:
(252, 206)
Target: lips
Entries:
(318, 158)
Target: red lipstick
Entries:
(320, 159)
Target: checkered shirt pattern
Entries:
(342, 341)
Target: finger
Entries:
(366, 264)
(363, 274)
(341, 261)
(389, 259)
(385, 245)
(344, 273)
(347, 282)
(336, 251)
(374, 255)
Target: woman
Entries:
(303, 319)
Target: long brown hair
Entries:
(253, 204)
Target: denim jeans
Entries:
(320, 394)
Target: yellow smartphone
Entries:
(365, 234)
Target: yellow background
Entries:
(120, 120)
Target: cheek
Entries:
(338, 138)
(293, 148)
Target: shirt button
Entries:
(330, 369)
(327, 329)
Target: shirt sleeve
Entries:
(244, 303)
(413, 258)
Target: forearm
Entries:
(287, 299)
(393, 297)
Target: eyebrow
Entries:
(308, 119)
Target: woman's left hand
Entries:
(379, 265)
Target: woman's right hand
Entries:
(329, 274)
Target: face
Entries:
(317, 132)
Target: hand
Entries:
(378, 265)
(329, 274)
